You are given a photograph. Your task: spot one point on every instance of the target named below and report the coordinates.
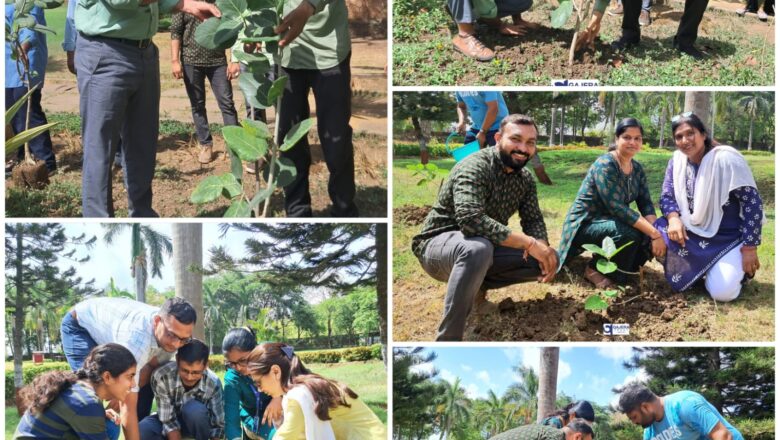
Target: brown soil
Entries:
(555, 312)
(31, 176)
(410, 214)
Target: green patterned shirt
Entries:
(479, 197)
(531, 432)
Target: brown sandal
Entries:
(598, 279)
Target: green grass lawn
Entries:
(55, 19)
(367, 379)
(567, 168)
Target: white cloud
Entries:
(426, 368)
(564, 370)
(448, 376)
(531, 358)
(513, 355)
(640, 376)
(465, 367)
(617, 354)
(472, 391)
(484, 376)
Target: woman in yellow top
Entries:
(315, 408)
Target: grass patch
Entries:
(367, 379)
(59, 199)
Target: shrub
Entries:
(320, 356)
(357, 354)
(28, 374)
(413, 149)
(217, 363)
(376, 351)
(755, 429)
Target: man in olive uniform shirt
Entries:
(577, 429)
(465, 240)
(118, 74)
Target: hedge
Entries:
(217, 363)
(755, 429)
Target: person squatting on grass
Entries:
(577, 429)
(247, 409)
(151, 335)
(318, 60)
(603, 209)
(315, 408)
(579, 410)
(684, 415)
(195, 63)
(66, 404)
(118, 75)
(487, 109)
(189, 398)
(465, 239)
(712, 211)
(466, 13)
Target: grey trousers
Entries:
(193, 420)
(468, 264)
(463, 12)
(119, 87)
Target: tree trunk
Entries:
(187, 252)
(613, 113)
(330, 344)
(552, 126)
(421, 139)
(750, 135)
(140, 279)
(563, 123)
(548, 378)
(714, 367)
(699, 103)
(663, 127)
(381, 285)
(18, 329)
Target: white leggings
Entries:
(724, 279)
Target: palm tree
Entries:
(497, 414)
(700, 103)
(524, 393)
(211, 312)
(668, 104)
(188, 254)
(147, 249)
(454, 407)
(548, 379)
(754, 104)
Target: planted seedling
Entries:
(605, 265)
(426, 173)
(561, 15)
(253, 21)
(30, 173)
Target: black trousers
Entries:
(687, 31)
(769, 6)
(333, 98)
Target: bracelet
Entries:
(528, 248)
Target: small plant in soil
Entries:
(605, 265)
(30, 173)
(561, 15)
(426, 173)
(253, 21)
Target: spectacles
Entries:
(171, 335)
(680, 116)
(187, 373)
(240, 362)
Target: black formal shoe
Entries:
(624, 43)
(691, 51)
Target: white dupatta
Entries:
(316, 429)
(722, 170)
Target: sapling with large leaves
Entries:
(253, 22)
(30, 173)
(604, 265)
(561, 15)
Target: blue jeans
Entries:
(193, 420)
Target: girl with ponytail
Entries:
(68, 405)
(315, 408)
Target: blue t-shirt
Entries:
(687, 416)
(38, 53)
(476, 102)
(77, 413)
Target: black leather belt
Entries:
(141, 44)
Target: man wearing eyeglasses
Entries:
(151, 334)
(189, 398)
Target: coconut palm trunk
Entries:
(188, 254)
(548, 378)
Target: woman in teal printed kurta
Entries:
(602, 209)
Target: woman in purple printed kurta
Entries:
(712, 217)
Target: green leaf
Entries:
(42, 28)
(257, 128)
(231, 8)
(284, 172)
(560, 16)
(241, 142)
(605, 266)
(26, 136)
(621, 248)
(276, 90)
(9, 114)
(48, 4)
(208, 190)
(262, 22)
(25, 21)
(272, 47)
(297, 132)
(250, 84)
(231, 187)
(260, 39)
(608, 245)
(431, 167)
(595, 249)
(236, 166)
(258, 64)
(257, 5)
(263, 93)
(610, 293)
(239, 208)
(217, 34)
(594, 302)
